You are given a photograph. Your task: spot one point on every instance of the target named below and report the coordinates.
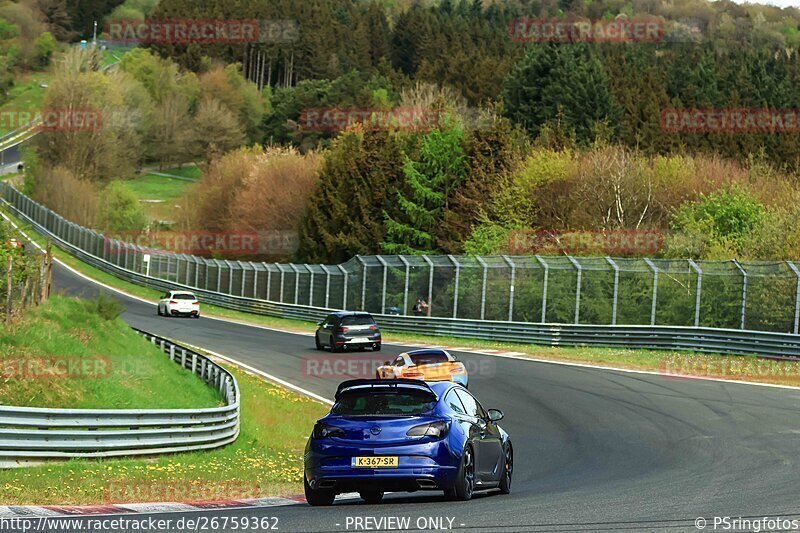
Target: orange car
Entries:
(428, 365)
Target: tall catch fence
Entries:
(747, 295)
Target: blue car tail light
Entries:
(437, 430)
(321, 431)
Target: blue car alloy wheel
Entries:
(403, 436)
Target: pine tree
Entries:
(429, 186)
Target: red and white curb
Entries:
(36, 511)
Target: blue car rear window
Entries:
(372, 403)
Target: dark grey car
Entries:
(348, 330)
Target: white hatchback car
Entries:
(179, 303)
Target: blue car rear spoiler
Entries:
(383, 384)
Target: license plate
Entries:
(360, 339)
(375, 462)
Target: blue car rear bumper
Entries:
(422, 465)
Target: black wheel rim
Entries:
(509, 465)
(469, 472)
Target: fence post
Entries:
(230, 276)
(699, 288)
(744, 291)
(172, 352)
(511, 287)
(544, 287)
(483, 285)
(579, 268)
(796, 296)
(283, 276)
(430, 283)
(194, 363)
(310, 286)
(327, 286)
(269, 280)
(255, 280)
(655, 290)
(407, 266)
(455, 292)
(383, 292)
(296, 282)
(363, 282)
(10, 289)
(344, 290)
(616, 290)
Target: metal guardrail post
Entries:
(744, 291)
(363, 282)
(655, 291)
(796, 296)
(483, 285)
(405, 283)
(455, 292)
(546, 268)
(698, 292)
(430, 283)
(616, 290)
(511, 287)
(269, 280)
(578, 285)
(385, 273)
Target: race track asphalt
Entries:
(594, 449)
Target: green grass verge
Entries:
(65, 354)
(25, 97)
(167, 192)
(747, 368)
(266, 460)
(186, 171)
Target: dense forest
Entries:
(525, 136)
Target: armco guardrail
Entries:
(701, 339)
(30, 433)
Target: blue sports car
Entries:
(406, 435)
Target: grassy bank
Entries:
(160, 196)
(265, 460)
(66, 354)
(728, 367)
